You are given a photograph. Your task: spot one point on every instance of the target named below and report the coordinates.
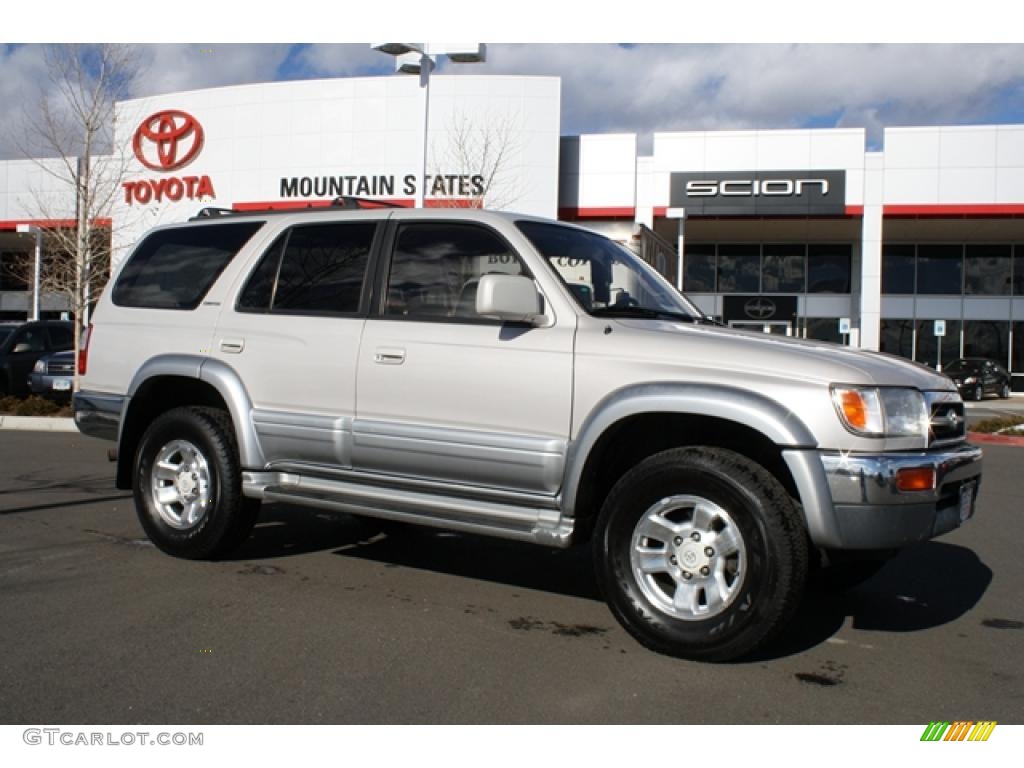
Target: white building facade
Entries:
(799, 232)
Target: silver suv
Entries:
(517, 377)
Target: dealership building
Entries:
(915, 249)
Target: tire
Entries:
(188, 485)
(1004, 393)
(661, 521)
(978, 393)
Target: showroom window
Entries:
(699, 269)
(784, 269)
(940, 269)
(928, 342)
(898, 269)
(824, 329)
(1018, 270)
(987, 270)
(987, 338)
(739, 268)
(897, 338)
(829, 268)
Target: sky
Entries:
(607, 86)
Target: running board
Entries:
(534, 524)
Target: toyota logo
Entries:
(168, 140)
(760, 308)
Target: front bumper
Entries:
(870, 512)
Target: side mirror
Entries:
(512, 298)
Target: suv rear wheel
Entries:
(700, 553)
(188, 485)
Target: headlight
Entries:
(881, 411)
(39, 367)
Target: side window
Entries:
(312, 269)
(61, 338)
(29, 340)
(174, 268)
(436, 268)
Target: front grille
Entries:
(60, 368)
(948, 422)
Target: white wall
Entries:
(255, 135)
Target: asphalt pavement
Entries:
(321, 618)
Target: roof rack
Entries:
(346, 203)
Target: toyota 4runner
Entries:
(516, 377)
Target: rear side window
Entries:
(312, 269)
(61, 337)
(174, 268)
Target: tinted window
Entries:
(436, 269)
(987, 338)
(316, 269)
(897, 338)
(699, 269)
(987, 270)
(30, 340)
(940, 269)
(928, 342)
(898, 269)
(739, 268)
(15, 268)
(61, 337)
(828, 268)
(783, 269)
(174, 268)
(1018, 271)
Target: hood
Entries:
(749, 352)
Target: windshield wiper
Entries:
(644, 312)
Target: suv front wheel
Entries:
(700, 553)
(188, 485)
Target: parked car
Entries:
(24, 345)
(53, 375)
(976, 377)
(435, 367)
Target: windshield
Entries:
(4, 333)
(958, 366)
(605, 278)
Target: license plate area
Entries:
(62, 385)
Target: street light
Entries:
(420, 59)
(28, 229)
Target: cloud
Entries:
(643, 88)
(679, 87)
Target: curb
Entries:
(987, 439)
(38, 424)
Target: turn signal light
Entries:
(915, 479)
(854, 408)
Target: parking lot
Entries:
(323, 619)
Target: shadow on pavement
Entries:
(925, 586)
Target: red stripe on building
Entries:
(12, 225)
(292, 205)
(956, 210)
(571, 214)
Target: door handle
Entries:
(232, 346)
(389, 356)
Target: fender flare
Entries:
(773, 420)
(222, 378)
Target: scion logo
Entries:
(168, 140)
(760, 308)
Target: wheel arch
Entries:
(632, 423)
(171, 381)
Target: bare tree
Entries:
(70, 137)
(484, 152)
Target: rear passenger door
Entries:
(446, 395)
(293, 336)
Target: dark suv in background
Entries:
(976, 377)
(22, 345)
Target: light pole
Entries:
(29, 229)
(420, 59)
(680, 215)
